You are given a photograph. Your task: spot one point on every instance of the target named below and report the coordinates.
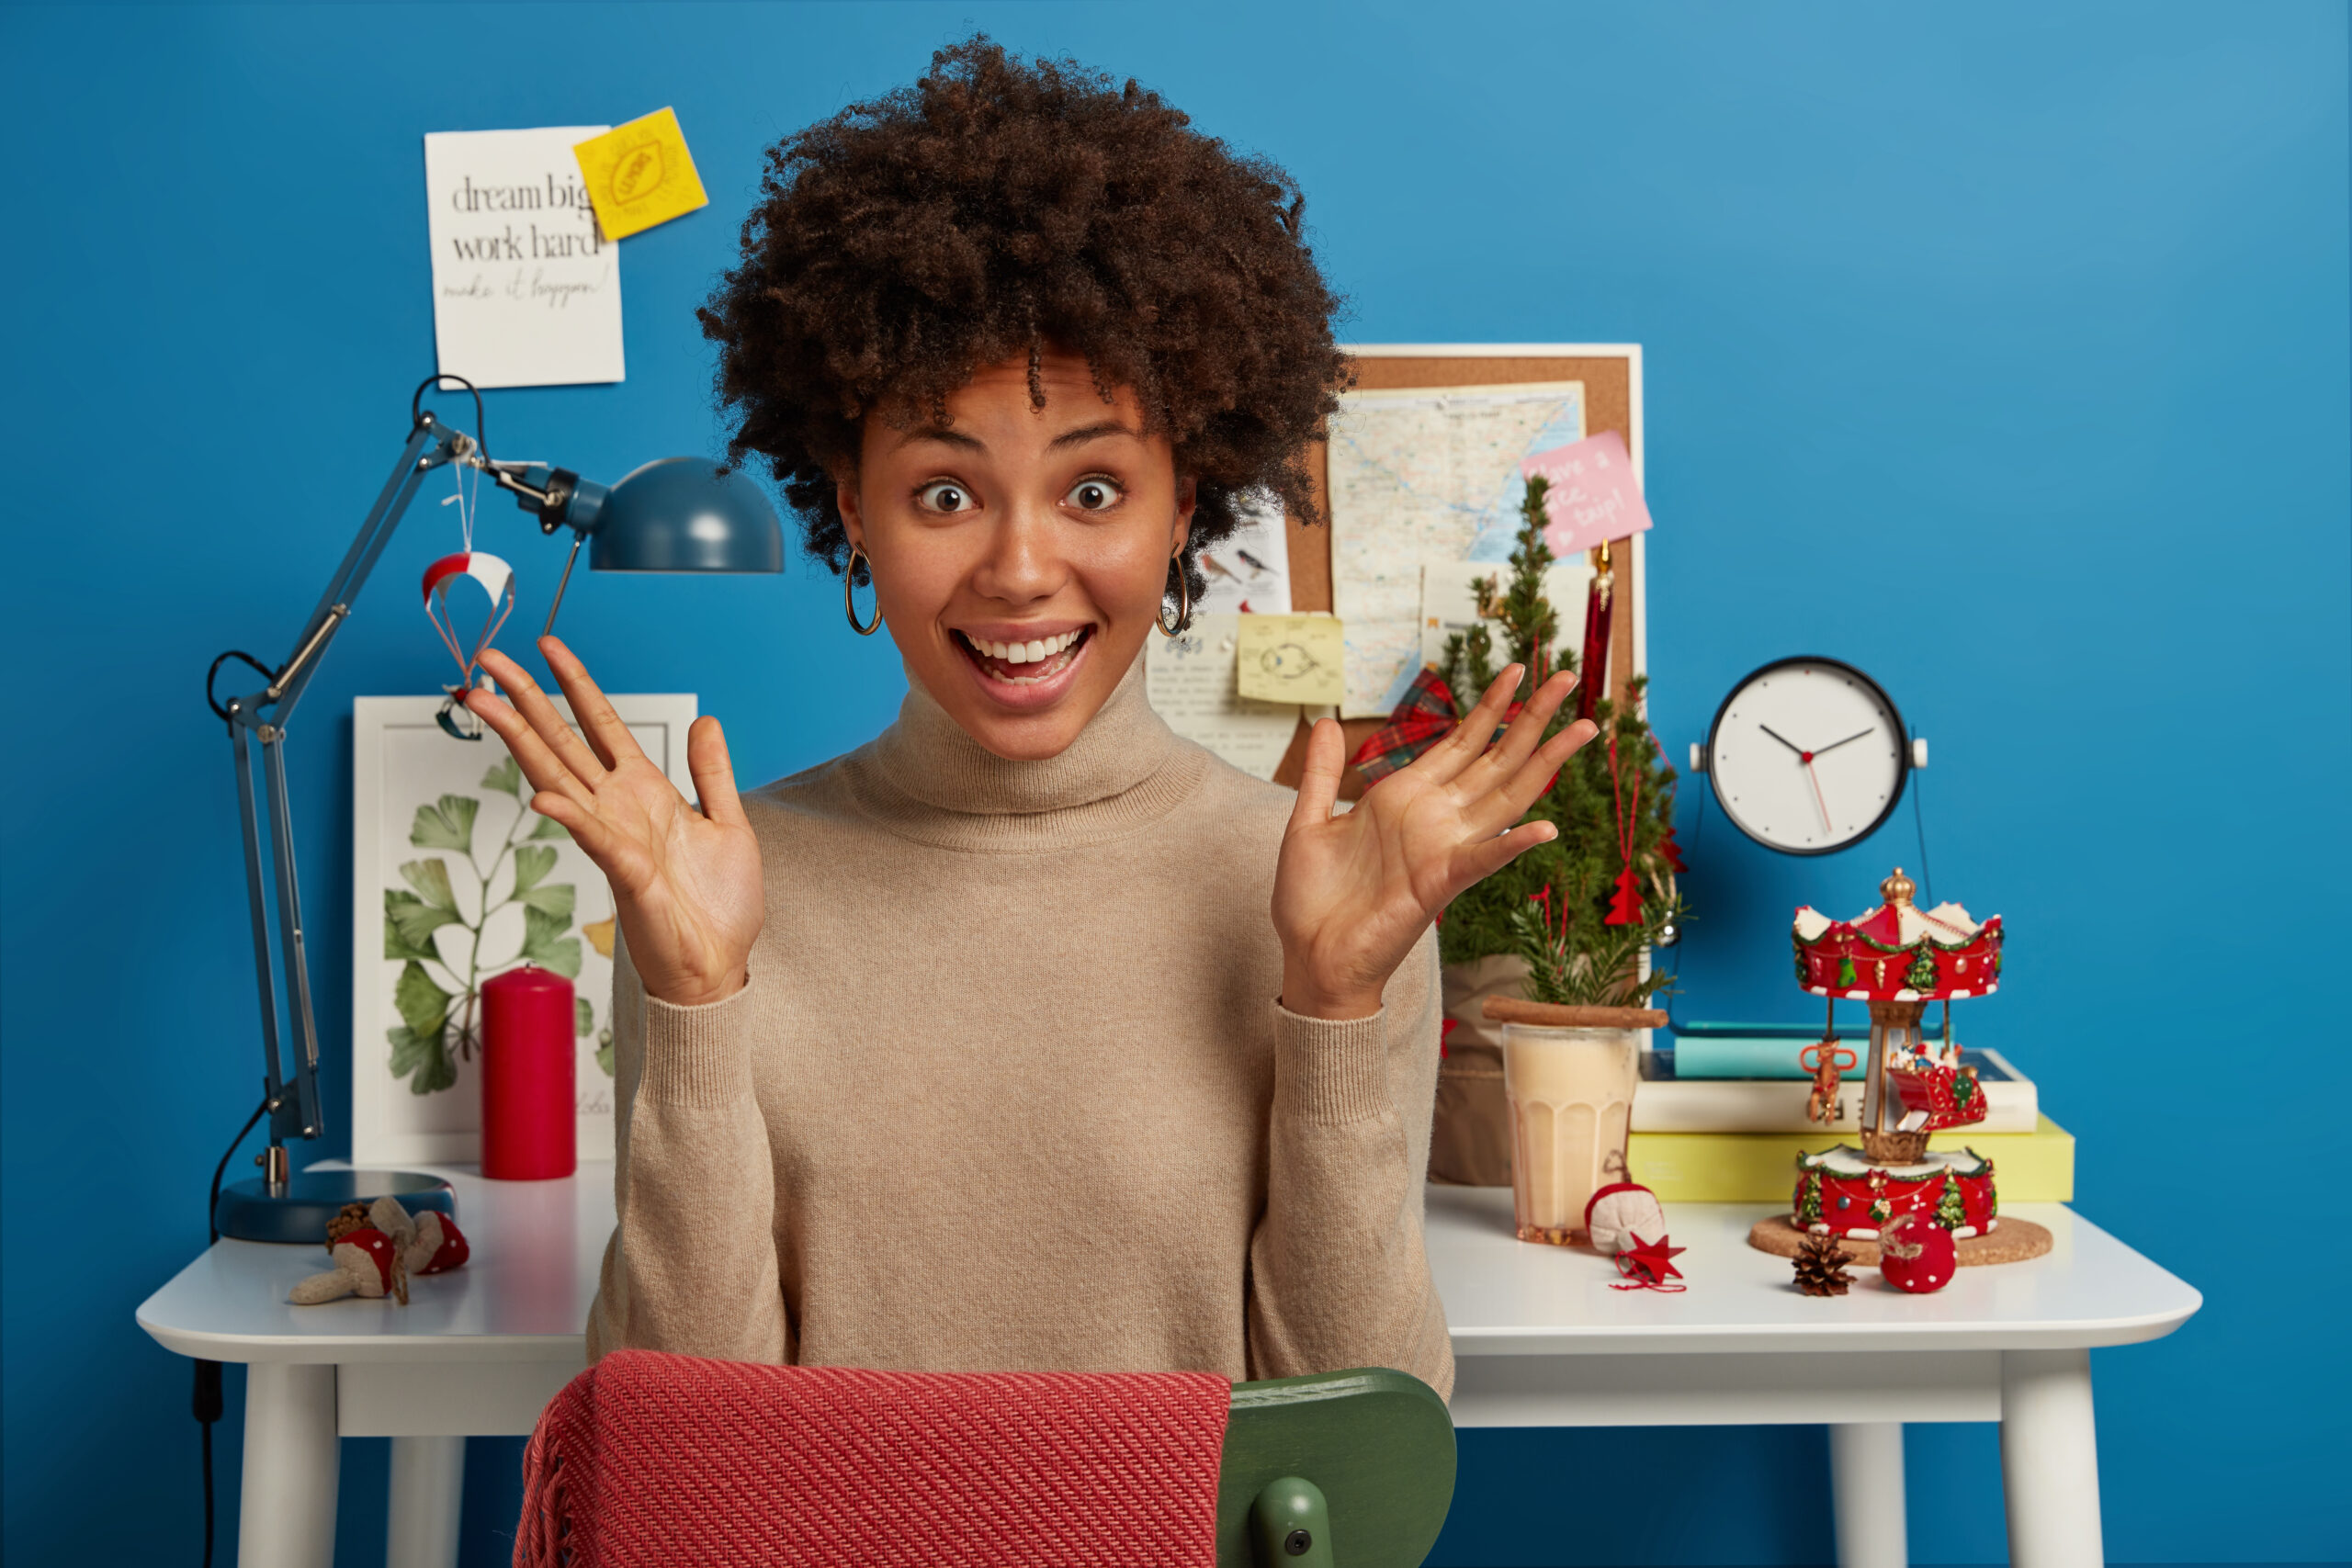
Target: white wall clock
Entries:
(1808, 755)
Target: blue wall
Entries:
(2003, 352)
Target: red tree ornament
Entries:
(1625, 904)
(1917, 1255)
(1670, 852)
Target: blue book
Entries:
(1746, 1055)
(1674, 1099)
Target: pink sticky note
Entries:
(1593, 495)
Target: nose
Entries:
(1023, 562)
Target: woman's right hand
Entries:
(686, 882)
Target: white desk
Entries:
(1540, 1340)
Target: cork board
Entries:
(1612, 375)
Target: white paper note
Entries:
(1249, 569)
(1192, 682)
(527, 291)
(1449, 604)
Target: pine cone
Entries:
(350, 1217)
(1821, 1267)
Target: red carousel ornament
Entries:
(1896, 959)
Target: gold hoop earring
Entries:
(1183, 600)
(849, 593)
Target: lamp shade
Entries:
(681, 514)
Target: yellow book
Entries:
(1761, 1167)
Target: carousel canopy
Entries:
(1898, 951)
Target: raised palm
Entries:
(686, 880)
(1352, 893)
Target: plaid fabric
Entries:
(1427, 716)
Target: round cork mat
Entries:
(2013, 1241)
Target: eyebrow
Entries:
(1086, 433)
(948, 437)
(942, 434)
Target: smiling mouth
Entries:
(1024, 664)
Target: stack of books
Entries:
(1719, 1118)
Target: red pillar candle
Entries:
(527, 1059)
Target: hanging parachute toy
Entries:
(497, 579)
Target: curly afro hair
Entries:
(996, 209)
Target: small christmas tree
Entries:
(1950, 1213)
(1809, 1199)
(1582, 908)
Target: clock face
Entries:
(1807, 756)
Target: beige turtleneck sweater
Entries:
(1010, 1088)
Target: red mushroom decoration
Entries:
(378, 1249)
(367, 1263)
(440, 1243)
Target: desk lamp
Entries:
(677, 514)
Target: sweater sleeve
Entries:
(1339, 1276)
(692, 1266)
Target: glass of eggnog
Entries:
(1570, 1087)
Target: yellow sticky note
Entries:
(639, 175)
(1293, 658)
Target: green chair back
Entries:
(1341, 1470)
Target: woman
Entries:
(977, 1048)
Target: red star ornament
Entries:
(1647, 1265)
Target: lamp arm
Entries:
(257, 722)
(430, 446)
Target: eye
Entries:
(943, 495)
(1094, 495)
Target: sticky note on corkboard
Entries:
(1293, 658)
(639, 175)
(1593, 496)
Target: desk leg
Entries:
(286, 1508)
(2050, 1459)
(1866, 1477)
(428, 1497)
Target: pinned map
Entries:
(1425, 475)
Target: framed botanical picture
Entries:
(454, 879)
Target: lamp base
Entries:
(249, 1212)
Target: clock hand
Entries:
(1782, 739)
(1835, 744)
(1828, 826)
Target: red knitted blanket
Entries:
(648, 1458)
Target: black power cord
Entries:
(207, 1402)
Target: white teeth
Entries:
(1030, 652)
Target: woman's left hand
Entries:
(1353, 893)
